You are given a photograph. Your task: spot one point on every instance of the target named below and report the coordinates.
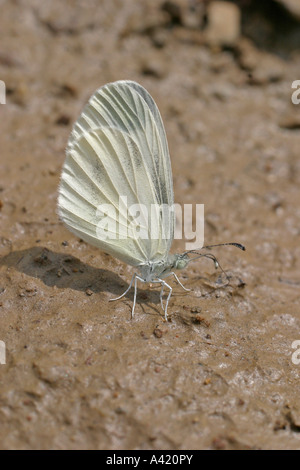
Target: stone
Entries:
(293, 7)
(224, 24)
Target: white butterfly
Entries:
(118, 147)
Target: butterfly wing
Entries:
(118, 147)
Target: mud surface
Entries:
(79, 372)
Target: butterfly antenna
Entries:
(211, 256)
(214, 259)
(237, 245)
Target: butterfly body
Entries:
(117, 159)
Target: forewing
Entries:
(118, 148)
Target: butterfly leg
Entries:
(134, 297)
(135, 290)
(124, 293)
(176, 277)
(163, 284)
(161, 296)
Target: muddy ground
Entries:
(79, 373)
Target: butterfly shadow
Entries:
(65, 271)
(62, 270)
